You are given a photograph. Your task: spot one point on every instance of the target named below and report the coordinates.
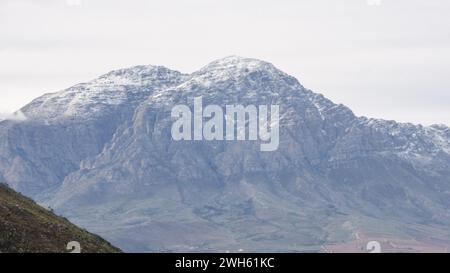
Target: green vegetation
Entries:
(26, 227)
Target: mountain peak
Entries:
(239, 64)
(138, 75)
(242, 71)
(234, 59)
(121, 87)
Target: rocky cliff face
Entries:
(121, 175)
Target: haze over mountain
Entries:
(102, 154)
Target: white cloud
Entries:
(16, 116)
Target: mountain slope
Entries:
(27, 227)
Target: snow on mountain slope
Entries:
(59, 130)
(124, 86)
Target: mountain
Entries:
(26, 227)
(51, 136)
(334, 175)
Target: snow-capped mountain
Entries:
(48, 138)
(102, 154)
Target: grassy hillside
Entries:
(27, 227)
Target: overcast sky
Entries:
(388, 61)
